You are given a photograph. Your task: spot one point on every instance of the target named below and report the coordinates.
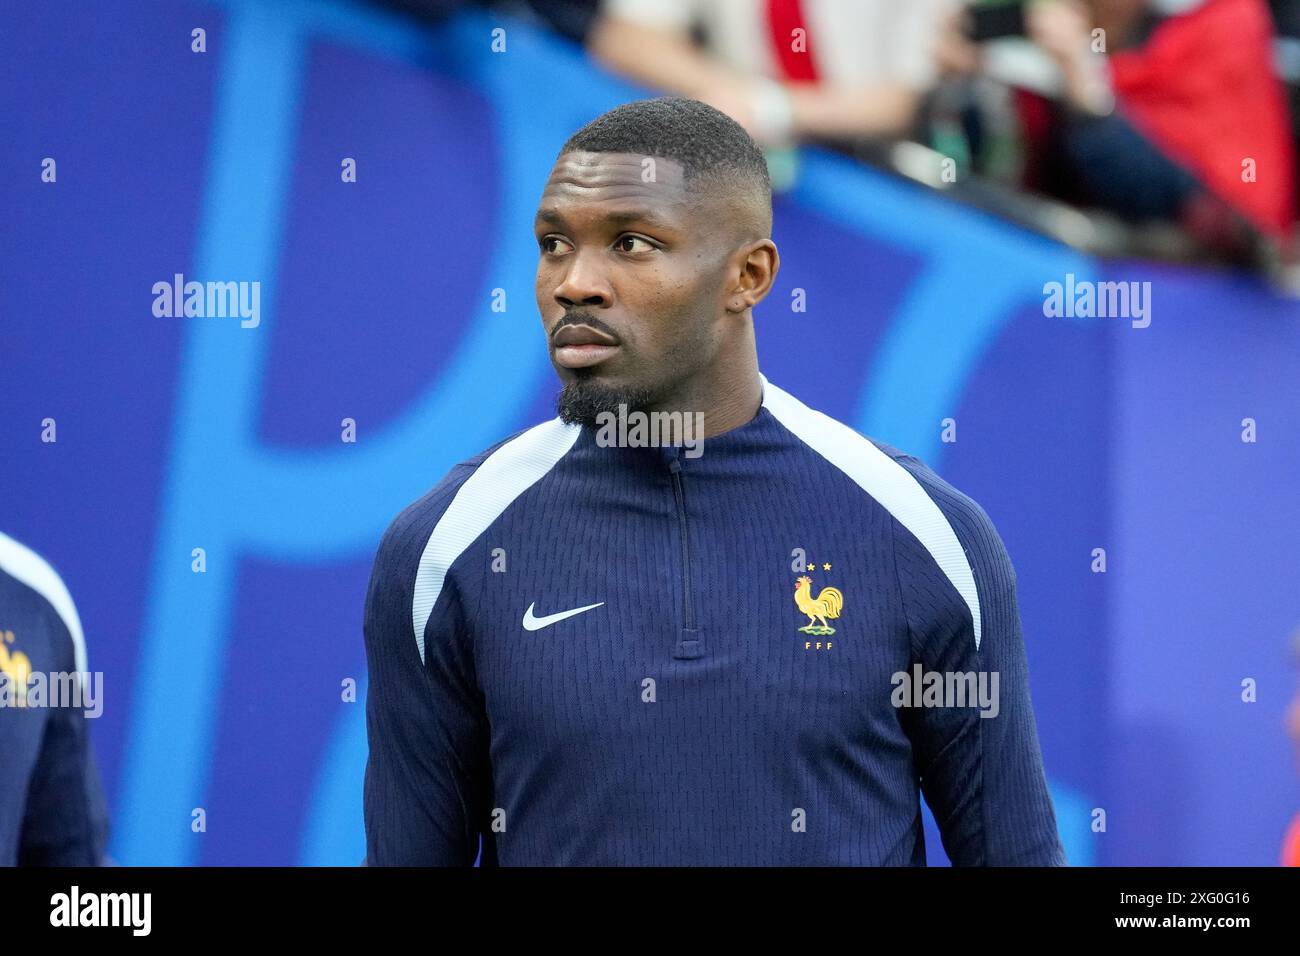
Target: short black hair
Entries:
(714, 151)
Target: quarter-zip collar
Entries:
(667, 474)
(757, 430)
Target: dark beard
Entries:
(581, 400)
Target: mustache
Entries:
(583, 318)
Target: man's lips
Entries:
(581, 346)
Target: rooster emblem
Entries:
(828, 603)
(16, 666)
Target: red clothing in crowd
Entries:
(1204, 90)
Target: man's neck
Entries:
(727, 401)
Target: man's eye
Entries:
(545, 241)
(623, 240)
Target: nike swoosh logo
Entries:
(537, 623)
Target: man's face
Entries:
(629, 280)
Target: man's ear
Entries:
(756, 272)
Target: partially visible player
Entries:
(52, 809)
(1291, 842)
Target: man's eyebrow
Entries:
(618, 217)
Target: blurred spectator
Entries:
(570, 18)
(1184, 120)
(1172, 112)
(860, 68)
(1286, 20)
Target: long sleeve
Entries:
(980, 765)
(428, 782)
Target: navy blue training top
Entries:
(52, 810)
(591, 655)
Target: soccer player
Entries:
(52, 809)
(594, 651)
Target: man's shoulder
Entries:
(943, 526)
(34, 582)
(956, 504)
(985, 564)
(481, 486)
(968, 518)
(900, 481)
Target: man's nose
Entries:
(584, 282)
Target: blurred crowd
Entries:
(1154, 127)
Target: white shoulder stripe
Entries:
(31, 569)
(886, 481)
(504, 475)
